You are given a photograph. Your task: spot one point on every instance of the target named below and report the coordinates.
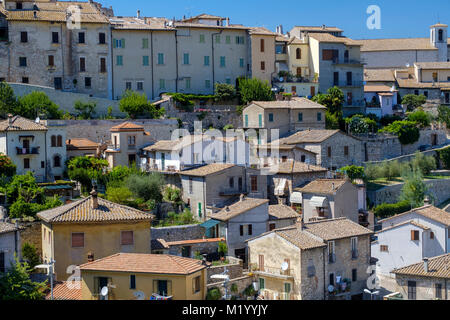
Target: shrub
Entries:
(406, 131)
(386, 210)
(444, 115)
(119, 195)
(388, 119)
(414, 189)
(223, 249)
(38, 103)
(85, 110)
(224, 92)
(413, 101)
(421, 117)
(228, 127)
(444, 155)
(136, 105)
(7, 167)
(213, 294)
(148, 187)
(354, 172)
(172, 194)
(254, 90)
(373, 172)
(8, 100)
(30, 254)
(423, 163)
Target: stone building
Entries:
(10, 245)
(312, 261)
(281, 216)
(79, 147)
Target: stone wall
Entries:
(390, 194)
(234, 270)
(242, 283)
(31, 233)
(178, 233)
(99, 130)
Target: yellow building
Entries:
(91, 228)
(130, 275)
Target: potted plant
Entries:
(223, 250)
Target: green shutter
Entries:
(114, 43)
(246, 120)
(123, 43)
(200, 209)
(260, 120)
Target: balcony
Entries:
(354, 254)
(113, 147)
(272, 271)
(347, 61)
(348, 83)
(27, 151)
(231, 192)
(331, 258)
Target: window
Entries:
(132, 281)
(82, 64)
(222, 62)
(241, 230)
(140, 86)
(416, 92)
(22, 61)
(261, 262)
(228, 81)
(188, 83)
(241, 63)
(239, 40)
(331, 255)
(262, 284)
(441, 34)
(349, 98)
(298, 53)
(42, 164)
(261, 44)
(287, 287)
(300, 117)
(354, 275)
(331, 279)
(128, 85)
(57, 162)
(270, 117)
(162, 287)
(303, 158)
(202, 38)
(272, 226)
(160, 58)
(190, 186)
(246, 120)
(414, 235)
(263, 65)
(102, 38)
(126, 238)
(78, 240)
(207, 83)
(206, 60)
(435, 76)
(2, 262)
(284, 159)
(145, 43)
(19, 6)
(103, 65)
(162, 84)
(231, 182)
(250, 229)
(119, 60)
(431, 235)
(336, 78)
(299, 72)
(329, 152)
(25, 80)
(438, 291)
(228, 39)
(329, 54)
(217, 39)
(254, 183)
(55, 37)
(119, 43)
(384, 248)
(196, 284)
(81, 37)
(24, 37)
(349, 78)
(425, 93)
(87, 82)
(51, 61)
(53, 141)
(345, 150)
(260, 120)
(186, 58)
(26, 163)
(145, 61)
(411, 290)
(131, 140)
(354, 247)
(319, 116)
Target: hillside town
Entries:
(191, 158)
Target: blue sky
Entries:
(399, 18)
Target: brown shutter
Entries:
(261, 262)
(127, 238)
(77, 240)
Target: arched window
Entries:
(59, 142)
(298, 53)
(53, 141)
(57, 162)
(441, 34)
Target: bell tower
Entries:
(439, 39)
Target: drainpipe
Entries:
(45, 155)
(151, 52)
(212, 56)
(324, 275)
(111, 45)
(176, 60)
(62, 59)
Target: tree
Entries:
(413, 101)
(414, 189)
(421, 117)
(333, 100)
(85, 110)
(119, 195)
(423, 163)
(26, 187)
(331, 121)
(136, 105)
(37, 103)
(406, 131)
(223, 249)
(30, 254)
(7, 167)
(148, 187)
(354, 172)
(444, 155)
(85, 169)
(444, 115)
(254, 90)
(8, 100)
(17, 285)
(224, 92)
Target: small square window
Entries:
(81, 37)
(23, 61)
(24, 37)
(102, 38)
(25, 80)
(78, 240)
(126, 238)
(140, 86)
(55, 37)
(87, 82)
(132, 282)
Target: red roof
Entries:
(127, 126)
(66, 290)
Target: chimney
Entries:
(90, 256)
(282, 201)
(332, 186)
(10, 119)
(227, 208)
(425, 265)
(241, 197)
(227, 22)
(138, 15)
(94, 197)
(35, 14)
(300, 223)
(281, 28)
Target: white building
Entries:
(9, 245)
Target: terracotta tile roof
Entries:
(21, 124)
(379, 75)
(159, 244)
(295, 40)
(404, 44)
(438, 267)
(238, 208)
(283, 147)
(334, 229)
(323, 186)
(377, 88)
(261, 31)
(300, 238)
(188, 24)
(299, 103)
(309, 136)
(326, 37)
(428, 211)
(6, 227)
(437, 25)
(204, 16)
(145, 263)
(129, 23)
(174, 145)
(414, 223)
(433, 65)
(281, 211)
(207, 170)
(281, 38)
(194, 241)
(82, 211)
(127, 126)
(290, 167)
(316, 28)
(81, 144)
(63, 291)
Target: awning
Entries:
(296, 197)
(318, 202)
(280, 187)
(210, 223)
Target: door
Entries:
(26, 144)
(163, 161)
(58, 83)
(299, 72)
(434, 139)
(131, 159)
(313, 91)
(200, 209)
(240, 254)
(2, 262)
(349, 78)
(240, 184)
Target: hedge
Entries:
(386, 210)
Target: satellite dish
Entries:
(407, 65)
(281, 79)
(139, 295)
(330, 288)
(284, 266)
(37, 120)
(104, 291)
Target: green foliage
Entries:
(17, 285)
(30, 254)
(444, 115)
(388, 119)
(414, 189)
(213, 294)
(354, 172)
(172, 194)
(228, 127)
(254, 90)
(239, 109)
(8, 100)
(37, 103)
(250, 291)
(444, 155)
(26, 187)
(223, 249)
(118, 174)
(202, 115)
(224, 92)
(22, 208)
(148, 187)
(406, 131)
(413, 101)
(332, 121)
(7, 167)
(119, 195)
(359, 124)
(423, 163)
(137, 105)
(333, 100)
(421, 117)
(234, 288)
(85, 110)
(85, 169)
(386, 210)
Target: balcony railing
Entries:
(26, 151)
(331, 258)
(346, 61)
(348, 83)
(355, 254)
(231, 191)
(277, 271)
